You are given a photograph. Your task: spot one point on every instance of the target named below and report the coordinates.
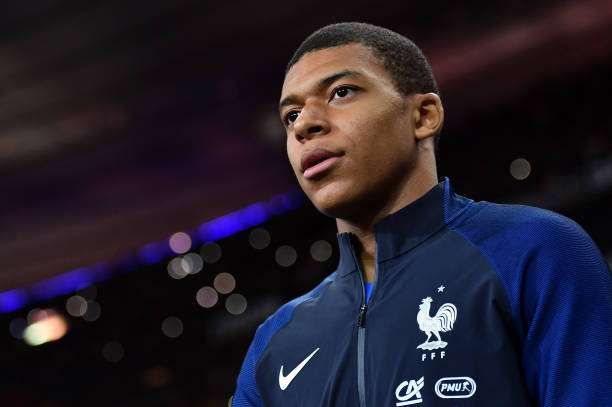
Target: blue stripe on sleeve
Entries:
(560, 291)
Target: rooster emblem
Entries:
(442, 322)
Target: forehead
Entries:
(319, 64)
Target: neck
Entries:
(362, 224)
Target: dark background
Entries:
(122, 123)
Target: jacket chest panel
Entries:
(316, 353)
(439, 332)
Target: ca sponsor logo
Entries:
(409, 392)
(461, 387)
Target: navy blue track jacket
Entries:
(474, 304)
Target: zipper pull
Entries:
(362, 315)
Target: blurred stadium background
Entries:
(149, 220)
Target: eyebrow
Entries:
(323, 83)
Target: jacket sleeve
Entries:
(567, 316)
(247, 393)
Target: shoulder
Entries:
(541, 257)
(531, 248)
(284, 313)
(527, 245)
(519, 227)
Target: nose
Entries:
(310, 123)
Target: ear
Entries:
(428, 115)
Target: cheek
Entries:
(293, 155)
(381, 155)
(379, 139)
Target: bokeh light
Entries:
(172, 327)
(192, 263)
(321, 250)
(520, 169)
(175, 268)
(33, 314)
(259, 238)
(17, 326)
(156, 376)
(180, 242)
(235, 304)
(93, 311)
(211, 252)
(48, 326)
(224, 283)
(76, 306)
(113, 351)
(207, 297)
(285, 256)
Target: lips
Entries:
(317, 161)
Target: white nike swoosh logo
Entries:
(283, 381)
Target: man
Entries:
(437, 300)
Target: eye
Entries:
(342, 92)
(290, 117)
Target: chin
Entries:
(335, 201)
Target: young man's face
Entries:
(350, 136)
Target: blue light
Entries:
(221, 227)
(69, 282)
(12, 300)
(59, 285)
(255, 214)
(152, 253)
(282, 203)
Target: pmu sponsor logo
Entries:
(462, 387)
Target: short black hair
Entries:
(405, 62)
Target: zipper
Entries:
(361, 322)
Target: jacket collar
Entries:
(403, 230)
